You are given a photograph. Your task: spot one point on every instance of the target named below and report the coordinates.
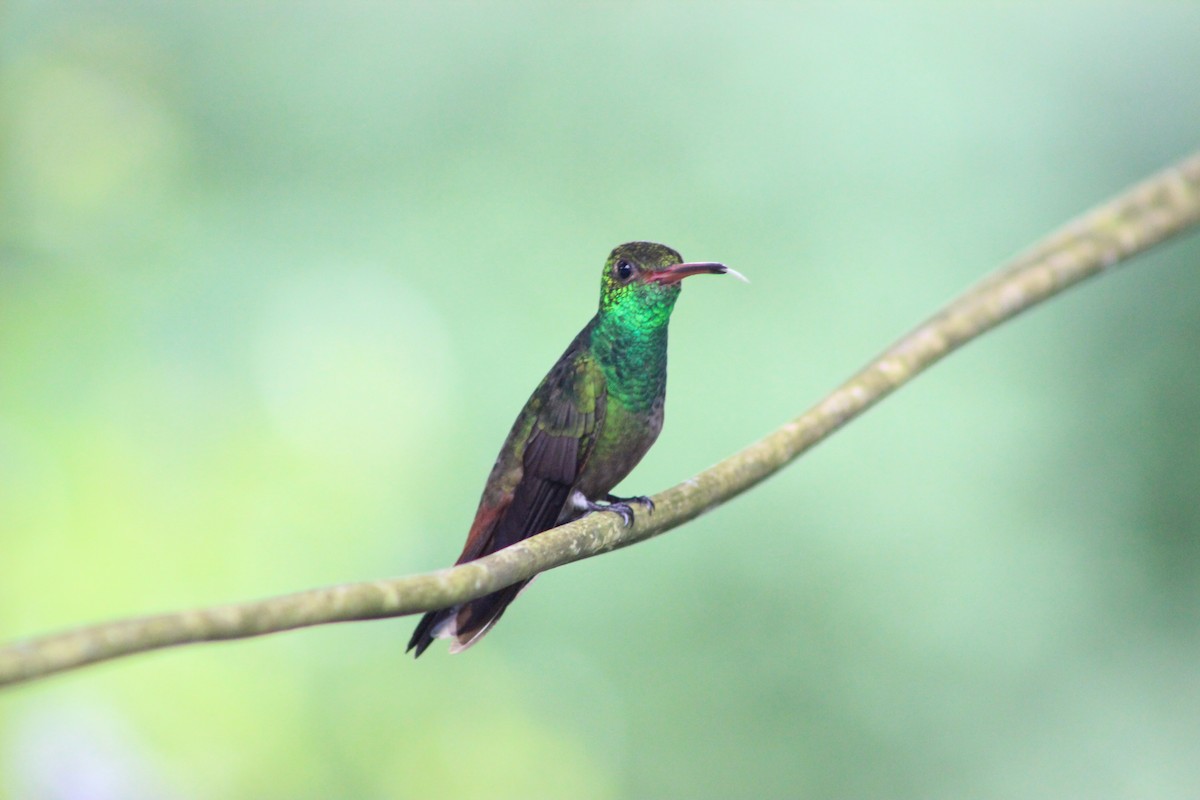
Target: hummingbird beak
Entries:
(677, 272)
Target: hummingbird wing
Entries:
(561, 439)
(529, 487)
(532, 483)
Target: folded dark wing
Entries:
(567, 421)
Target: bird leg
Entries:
(622, 509)
(641, 498)
(618, 505)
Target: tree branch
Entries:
(1161, 207)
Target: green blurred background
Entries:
(275, 278)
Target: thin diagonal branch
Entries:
(1158, 209)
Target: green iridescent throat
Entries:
(630, 343)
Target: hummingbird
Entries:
(587, 424)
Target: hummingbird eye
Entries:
(624, 270)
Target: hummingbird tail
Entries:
(465, 623)
(424, 635)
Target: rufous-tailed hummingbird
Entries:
(588, 423)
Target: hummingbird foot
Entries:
(641, 498)
(619, 507)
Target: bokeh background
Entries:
(275, 278)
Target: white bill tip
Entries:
(736, 274)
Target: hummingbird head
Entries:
(641, 282)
